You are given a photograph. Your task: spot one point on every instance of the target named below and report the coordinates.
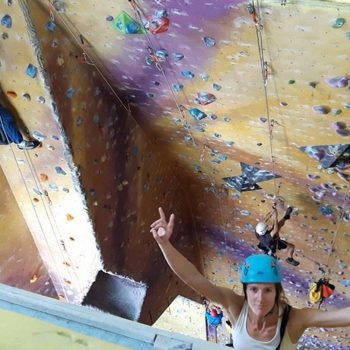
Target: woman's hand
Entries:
(161, 229)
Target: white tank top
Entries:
(243, 341)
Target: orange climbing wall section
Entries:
(44, 181)
(21, 264)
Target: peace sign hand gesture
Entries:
(161, 229)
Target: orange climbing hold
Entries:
(11, 94)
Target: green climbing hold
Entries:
(127, 25)
(338, 23)
(292, 81)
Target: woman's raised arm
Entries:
(185, 270)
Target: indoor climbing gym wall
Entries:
(124, 177)
(44, 181)
(214, 110)
(107, 162)
(21, 264)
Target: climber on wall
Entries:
(261, 317)
(9, 132)
(213, 314)
(269, 238)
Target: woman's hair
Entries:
(280, 299)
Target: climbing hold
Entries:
(158, 23)
(11, 94)
(41, 99)
(291, 81)
(216, 87)
(162, 54)
(79, 121)
(204, 76)
(313, 177)
(321, 109)
(60, 171)
(33, 279)
(326, 211)
(209, 41)
(43, 177)
(178, 57)
(338, 125)
(338, 23)
(336, 111)
(109, 18)
(197, 114)
(31, 71)
(26, 97)
(205, 98)
(70, 93)
(347, 105)
(96, 119)
(37, 135)
(69, 217)
(4, 35)
(51, 26)
(6, 21)
(343, 132)
(338, 82)
(347, 35)
(313, 84)
(178, 87)
(187, 74)
(127, 25)
(213, 116)
(59, 5)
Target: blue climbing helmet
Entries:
(261, 269)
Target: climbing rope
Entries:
(255, 10)
(52, 256)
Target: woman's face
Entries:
(261, 297)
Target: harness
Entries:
(284, 324)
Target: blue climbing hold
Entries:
(178, 56)
(6, 21)
(109, 18)
(326, 211)
(209, 41)
(162, 54)
(31, 71)
(60, 171)
(178, 87)
(70, 93)
(51, 26)
(216, 87)
(187, 74)
(338, 23)
(197, 114)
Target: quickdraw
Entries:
(255, 17)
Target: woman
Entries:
(257, 316)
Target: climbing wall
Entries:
(45, 180)
(245, 106)
(94, 156)
(21, 264)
